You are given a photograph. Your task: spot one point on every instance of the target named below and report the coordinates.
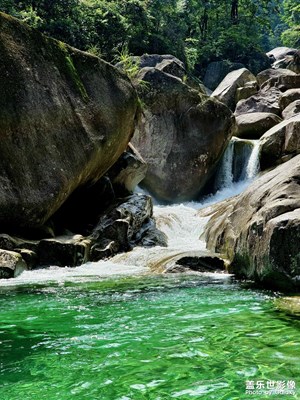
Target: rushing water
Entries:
(95, 333)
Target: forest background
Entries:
(196, 31)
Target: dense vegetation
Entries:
(197, 31)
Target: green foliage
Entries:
(291, 16)
(127, 62)
(196, 31)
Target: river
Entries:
(116, 330)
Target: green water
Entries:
(177, 337)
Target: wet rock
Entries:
(64, 251)
(227, 89)
(122, 225)
(254, 125)
(203, 264)
(289, 305)
(259, 230)
(11, 264)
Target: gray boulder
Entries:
(271, 73)
(265, 101)
(280, 142)
(289, 97)
(66, 117)
(280, 52)
(216, 72)
(226, 91)
(11, 264)
(291, 110)
(259, 230)
(181, 135)
(254, 125)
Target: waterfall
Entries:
(253, 162)
(240, 163)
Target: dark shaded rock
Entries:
(291, 110)
(122, 225)
(216, 72)
(63, 251)
(203, 264)
(259, 230)
(226, 91)
(181, 135)
(11, 264)
(127, 172)
(254, 125)
(83, 208)
(280, 143)
(65, 118)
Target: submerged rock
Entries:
(259, 230)
(65, 118)
(181, 135)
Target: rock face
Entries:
(280, 53)
(65, 118)
(280, 143)
(226, 91)
(265, 101)
(259, 230)
(254, 125)
(182, 135)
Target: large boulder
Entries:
(65, 118)
(280, 53)
(259, 230)
(291, 110)
(181, 135)
(280, 142)
(226, 91)
(254, 125)
(289, 97)
(267, 74)
(265, 101)
(216, 72)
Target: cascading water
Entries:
(240, 163)
(181, 223)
